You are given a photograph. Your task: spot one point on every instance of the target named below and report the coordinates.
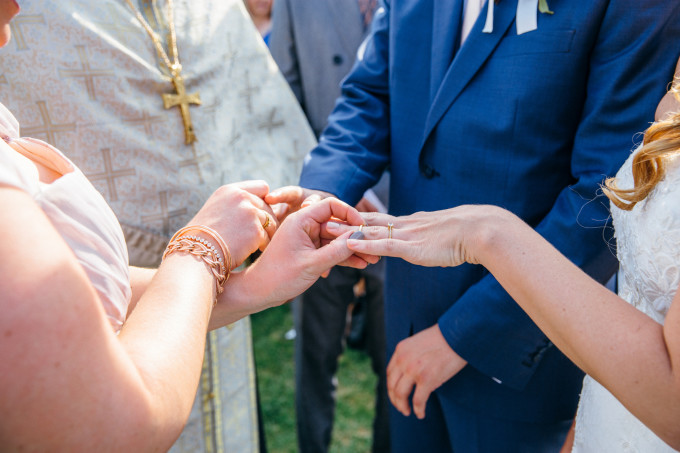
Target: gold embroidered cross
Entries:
(182, 100)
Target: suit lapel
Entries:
(446, 25)
(347, 21)
(471, 56)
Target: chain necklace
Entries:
(180, 98)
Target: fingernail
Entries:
(333, 225)
(358, 235)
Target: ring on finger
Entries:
(266, 222)
(390, 226)
(361, 227)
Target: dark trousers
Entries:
(320, 323)
(477, 433)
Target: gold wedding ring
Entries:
(361, 227)
(389, 230)
(266, 222)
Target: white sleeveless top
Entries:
(77, 211)
(648, 244)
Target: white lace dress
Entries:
(648, 239)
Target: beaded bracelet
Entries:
(221, 268)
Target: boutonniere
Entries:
(526, 18)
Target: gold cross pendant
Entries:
(182, 100)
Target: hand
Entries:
(297, 256)
(441, 238)
(238, 213)
(425, 361)
(289, 199)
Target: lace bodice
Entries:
(648, 244)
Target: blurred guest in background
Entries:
(261, 13)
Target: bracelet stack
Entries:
(218, 261)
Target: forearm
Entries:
(590, 324)
(165, 337)
(235, 303)
(66, 360)
(140, 277)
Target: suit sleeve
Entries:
(353, 150)
(630, 67)
(282, 46)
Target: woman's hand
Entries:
(239, 214)
(441, 238)
(289, 199)
(296, 257)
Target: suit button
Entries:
(337, 60)
(428, 171)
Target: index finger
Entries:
(259, 203)
(287, 194)
(327, 208)
(257, 187)
(378, 218)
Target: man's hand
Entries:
(424, 361)
(289, 199)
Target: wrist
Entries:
(207, 245)
(191, 272)
(243, 295)
(489, 233)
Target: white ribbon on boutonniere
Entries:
(526, 18)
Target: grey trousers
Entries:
(320, 323)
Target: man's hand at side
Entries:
(424, 361)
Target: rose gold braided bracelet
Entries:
(205, 250)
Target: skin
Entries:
(416, 364)
(424, 361)
(289, 199)
(133, 391)
(8, 9)
(63, 353)
(640, 370)
(668, 103)
(260, 12)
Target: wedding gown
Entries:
(648, 239)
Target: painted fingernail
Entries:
(358, 235)
(332, 225)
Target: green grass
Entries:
(275, 370)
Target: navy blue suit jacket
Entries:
(530, 122)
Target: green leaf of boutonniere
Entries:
(543, 7)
